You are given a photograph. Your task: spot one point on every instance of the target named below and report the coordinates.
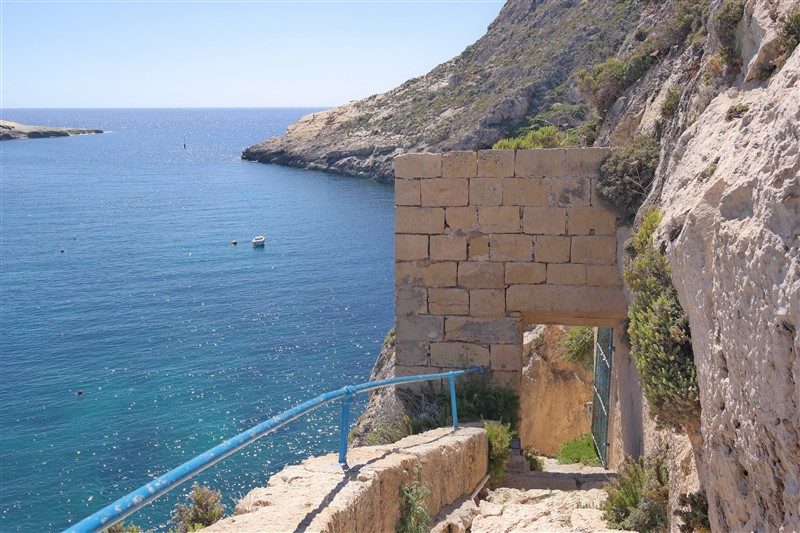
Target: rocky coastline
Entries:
(11, 130)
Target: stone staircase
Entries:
(562, 498)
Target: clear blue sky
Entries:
(224, 54)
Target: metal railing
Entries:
(127, 505)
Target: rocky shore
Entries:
(11, 130)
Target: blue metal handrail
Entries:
(127, 505)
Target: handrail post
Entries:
(345, 427)
(452, 380)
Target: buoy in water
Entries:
(233, 243)
(80, 392)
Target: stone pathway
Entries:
(562, 498)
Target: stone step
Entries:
(558, 480)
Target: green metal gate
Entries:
(601, 399)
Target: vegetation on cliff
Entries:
(659, 332)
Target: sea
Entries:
(118, 279)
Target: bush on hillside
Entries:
(639, 496)
(202, 508)
(693, 513)
(659, 332)
(626, 176)
(578, 346)
(725, 20)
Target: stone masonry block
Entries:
(526, 273)
(585, 161)
(445, 192)
(419, 328)
(511, 247)
(544, 220)
(452, 301)
(411, 353)
(487, 302)
(548, 249)
(566, 274)
(407, 192)
(506, 356)
(425, 274)
(411, 301)
(478, 248)
(540, 163)
(526, 191)
(483, 330)
(458, 354)
(428, 220)
(499, 219)
(410, 247)
(461, 218)
(486, 191)
(479, 275)
(418, 166)
(597, 249)
(570, 192)
(460, 164)
(567, 300)
(591, 221)
(603, 275)
(495, 163)
(448, 248)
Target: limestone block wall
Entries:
(488, 241)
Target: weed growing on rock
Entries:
(579, 450)
(736, 111)
(670, 104)
(638, 497)
(725, 21)
(122, 528)
(579, 346)
(659, 331)
(202, 509)
(535, 463)
(693, 512)
(414, 516)
(626, 176)
(499, 453)
(789, 37)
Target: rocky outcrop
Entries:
(729, 186)
(553, 392)
(12, 130)
(526, 61)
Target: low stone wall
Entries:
(317, 496)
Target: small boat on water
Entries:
(258, 240)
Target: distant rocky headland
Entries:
(12, 130)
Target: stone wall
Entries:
(488, 241)
(317, 496)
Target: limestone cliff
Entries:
(12, 130)
(526, 61)
(728, 183)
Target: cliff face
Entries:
(729, 186)
(526, 61)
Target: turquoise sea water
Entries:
(178, 339)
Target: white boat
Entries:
(258, 240)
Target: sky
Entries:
(239, 53)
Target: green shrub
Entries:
(670, 104)
(535, 463)
(499, 453)
(201, 509)
(579, 450)
(626, 176)
(478, 399)
(578, 345)
(638, 497)
(604, 84)
(736, 111)
(387, 432)
(545, 137)
(414, 516)
(659, 331)
(789, 38)
(726, 18)
(693, 512)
